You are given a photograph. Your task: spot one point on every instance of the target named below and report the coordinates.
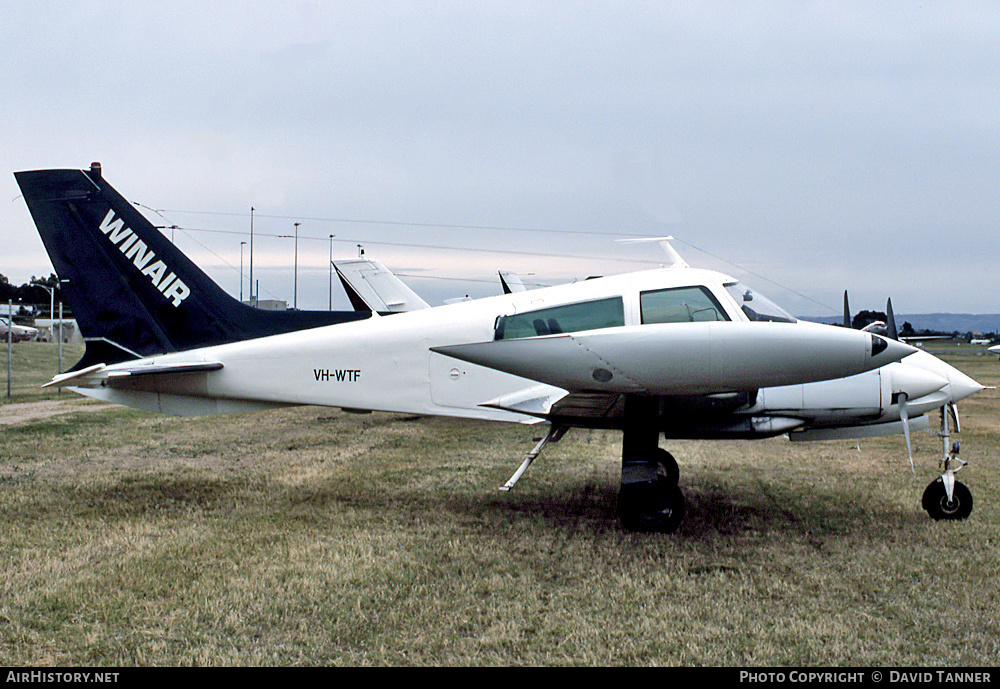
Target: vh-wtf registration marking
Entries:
(337, 375)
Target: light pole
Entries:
(242, 244)
(52, 307)
(59, 391)
(330, 308)
(251, 258)
(295, 279)
(10, 339)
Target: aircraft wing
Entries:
(372, 287)
(921, 423)
(926, 338)
(546, 402)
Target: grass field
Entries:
(309, 536)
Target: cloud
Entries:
(804, 140)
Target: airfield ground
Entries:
(309, 536)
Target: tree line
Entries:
(31, 293)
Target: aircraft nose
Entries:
(962, 385)
(959, 385)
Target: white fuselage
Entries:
(389, 364)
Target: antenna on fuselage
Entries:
(674, 259)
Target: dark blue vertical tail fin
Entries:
(133, 293)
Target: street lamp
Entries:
(295, 279)
(330, 308)
(252, 303)
(10, 339)
(52, 305)
(242, 244)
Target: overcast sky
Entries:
(817, 147)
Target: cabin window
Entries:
(680, 305)
(588, 315)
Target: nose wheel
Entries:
(945, 498)
(940, 505)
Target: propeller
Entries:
(887, 329)
(904, 416)
(890, 321)
(902, 398)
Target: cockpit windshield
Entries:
(756, 306)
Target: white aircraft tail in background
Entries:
(372, 287)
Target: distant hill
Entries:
(939, 322)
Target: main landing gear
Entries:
(946, 498)
(649, 499)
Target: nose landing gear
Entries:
(946, 498)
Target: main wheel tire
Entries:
(651, 507)
(666, 467)
(935, 501)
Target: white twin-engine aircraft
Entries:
(675, 351)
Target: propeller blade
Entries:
(953, 408)
(904, 416)
(890, 321)
(847, 312)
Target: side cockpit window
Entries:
(568, 318)
(756, 306)
(680, 305)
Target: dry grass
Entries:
(308, 536)
(32, 365)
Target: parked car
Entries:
(17, 332)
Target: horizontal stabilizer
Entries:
(101, 375)
(73, 377)
(162, 369)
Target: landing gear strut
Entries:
(649, 499)
(946, 498)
